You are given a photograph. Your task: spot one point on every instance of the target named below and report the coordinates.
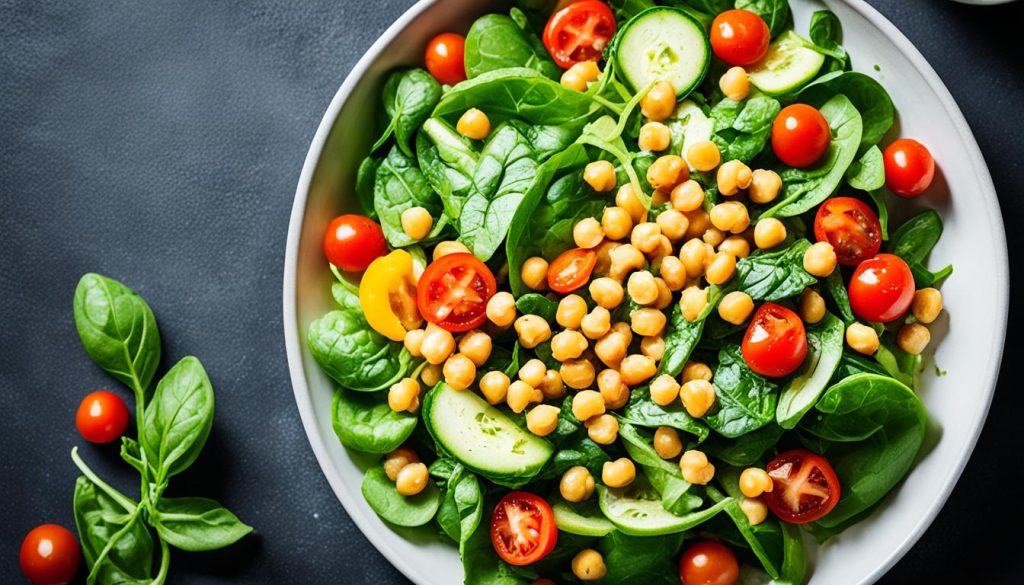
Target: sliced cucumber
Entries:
(637, 511)
(788, 66)
(689, 124)
(482, 438)
(584, 519)
(663, 43)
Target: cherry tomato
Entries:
(881, 289)
(739, 37)
(909, 167)
(49, 555)
(708, 563)
(453, 292)
(523, 528)
(800, 135)
(776, 342)
(804, 486)
(102, 417)
(579, 32)
(851, 227)
(571, 270)
(444, 58)
(351, 242)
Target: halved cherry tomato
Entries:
(739, 37)
(805, 486)
(571, 270)
(445, 58)
(523, 528)
(49, 555)
(102, 417)
(909, 167)
(881, 288)
(454, 290)
(579, 32)
(708, 563)
(800, 135)
(776, 342)
(851, 227)
(351, 242)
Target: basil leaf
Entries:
(132, 454)
(775, 275)
(363, 421)
(178, 419)
(197, 524)
(745, 401)
(98, 517)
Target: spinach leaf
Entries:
(824, 351)
(681, 336)
(400, 185)
(873, 427)
(853, 363)
(878, 196)
(537, 304)
(774, 12)
(775, 275)
(447, 160)
(640, 559)
(826, 33)
(383, 497)
(178, 419)
(642, 411)
(99, 519)
(118, 331)
(914, 240)
(409, 97)
(751, 534)
(578, 449)
(605, 134)
(197, 524)
(496, 41)
(353, 354)
(462, 504)
(806, 188)
(363, 421)
(742, 128)
(746, 450)
(711, 7)
(365, 177)
(867, 173)
(745, 401)
(898, 364)
(864, 92)
(836, 291)
(676, 494)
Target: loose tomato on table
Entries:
(579, 32)
(805, 486)
(881, 289)
(352, 241)
(775, 343)
(800, 135)
(523, 528)
(851, 227)
(102, 417)
(708, 563)
(445, 58)
(571, 270)
(909, 167)
(49, 555)
(739, 37)
(453, 292)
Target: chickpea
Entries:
(644, 237)
(397, 459)
(637, 368)
(576, 484)
(625, 259)
(501, 309)
(703, 155)
(596, 323)
(664, 390)
(604, 256)
(431, 375)
(721, 268)
(667, 172)
(459, 372)
(588, 233)
(642, 287)
(755, 510)
(600, 175)
(494, 386)
(412, 479)
(603, 429)
(667, 443)
(696, 468)
(731, 216)
(532, 372)
(734, 84)
(673, 272)
(611, 349)
(694, 370)
(573, 80)
(552, 386)
(654, 136)
(659, 102)
(614, 393)
(627, 199)
(647, 322)
(449, 247)
(732, 176)
(913, 338)
(754, 482)
(693, 255)
(542, 420)
(659, 198)
(616, 222)
(476, 345)
(688, 196)
(571, 310)
(568, 345)
(769, 232)
(692, 302)
(812, 306)
(534, 273)
(738, 246)
(765, 186)
(673, 225)
(474, 124)
(698, 396)
(520, 395)
(606, 292)
(533, 331)
(579, 75)
(618, 473)
(402, 394)
(713, 237)
(700, 221)
(587, 404)
(927, 305)
(414, 341)
(588, 565)
(416, 222)
(820, 259)
(578, 374)
(437, 344)
(735, 307)
(862, 338)
(653, 347)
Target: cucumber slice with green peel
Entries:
(584, 519)
(788, 66)
(482, 437)
(663, 43)
(637, 511)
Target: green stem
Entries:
(117, 496)
(165, 563)
(608, 104)
(110, 544)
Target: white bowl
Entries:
(969, 336)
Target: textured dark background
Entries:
(160, 142)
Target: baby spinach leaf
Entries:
(753, 535)
(118, 330)
(365, 177)
(853, 363)
(575, 450)
(400, 185)
(775, 275)
(742, 128)
(641, 410)
(836, 291)
(914, 240)
(640, 559)
(98, 519)
(537, 304)
(676, 494)
(745, 401)
(681, 336)
(353, 354)
(878, 196)
(496, 41)
(462, 505)
(826, 33)
(197, 524)
(363, 421)
(824, 351)
(447, 161)
(178, 419)
(746, 450)
(864, 92)
(409, 97)
(383, 497)
(867, 173)
(774, 12)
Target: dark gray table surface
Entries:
(160, 143)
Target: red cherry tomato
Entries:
(739, 37)
(454, 290)
(102, 417)
(776, 342)
(708, 563)
(851, 227)
(571, 270)
(49, 555)
(881, 289)
(804, 486)
(351, 242)
(909, 167)
(800, 135)
(444, 58)
(579, 32)
(523, 528)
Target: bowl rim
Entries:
(293, 339)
